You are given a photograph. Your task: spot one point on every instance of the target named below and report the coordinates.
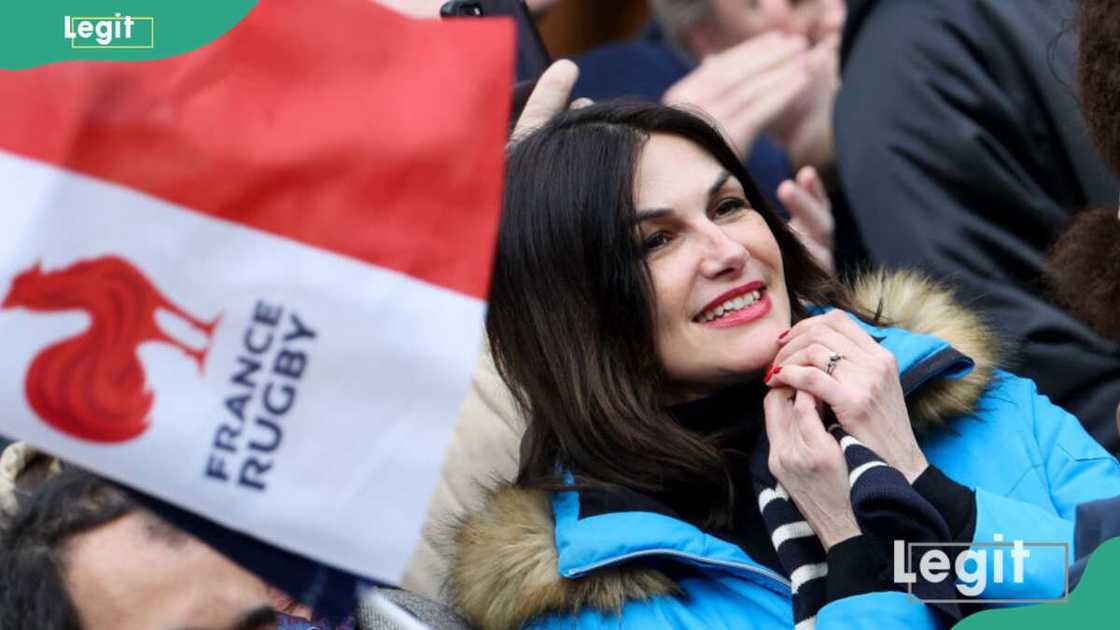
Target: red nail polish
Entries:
(782, 336)
(776, 371)
(769, 373)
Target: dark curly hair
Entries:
(1098, 72)
(1086, 259)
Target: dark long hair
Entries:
(571, 319)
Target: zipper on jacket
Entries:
(727, 564)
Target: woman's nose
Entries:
(723, 254)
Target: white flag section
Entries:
(290, 388)
(248, 280)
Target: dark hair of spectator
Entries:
(1099, 74)
(1085, 265)
(571, 317)
(33, 542)
(1085, 261)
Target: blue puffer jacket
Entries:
(529, 559)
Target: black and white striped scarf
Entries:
(886, 508)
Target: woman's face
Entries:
(720, 297)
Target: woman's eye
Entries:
(729, 206)
(655, 240)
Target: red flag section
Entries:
(283, 125)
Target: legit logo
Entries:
(110, 32)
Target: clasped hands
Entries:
(863, 391)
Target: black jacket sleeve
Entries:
(956, 503)
(855, 567)
(961, 151)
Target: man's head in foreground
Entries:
(80, 554)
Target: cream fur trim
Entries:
(914, 302)
(505, 568)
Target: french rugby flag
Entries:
(249, 280)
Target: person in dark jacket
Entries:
(962, 151)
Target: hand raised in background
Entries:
(549, 98)
(747, 87)
(810, 214)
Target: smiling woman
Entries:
(717, 433)
(717, 272)
(593, 293)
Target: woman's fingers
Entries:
(864, 390)
(817, 355)
(777, 409)
(842, 323)
(809, 464)
(549, 97)
(825, 336)
(811, 380)
(807, 419)
(836, 320)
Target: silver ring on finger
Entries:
(830, 367)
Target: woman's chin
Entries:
(755, 353)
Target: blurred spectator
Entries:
(773, 68)
(81, 554)
(962, 151)
(1086, 259)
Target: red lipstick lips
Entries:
(742, 316)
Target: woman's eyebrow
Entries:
(657, 213)
(720, 181)
(650, 214)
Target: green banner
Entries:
(1090, 605)
(48, 31)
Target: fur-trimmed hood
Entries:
(504, 569)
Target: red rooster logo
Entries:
(92, 386)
